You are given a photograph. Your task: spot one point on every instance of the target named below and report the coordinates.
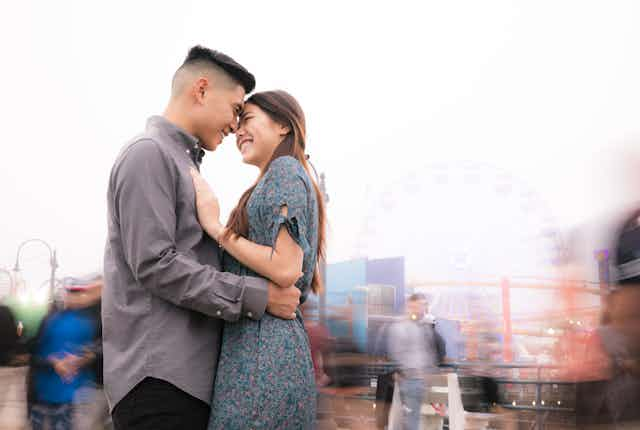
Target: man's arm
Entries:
(144, 199)
(441, 346)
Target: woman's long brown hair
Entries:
(285, 110)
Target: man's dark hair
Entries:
(627, 251)
(200, 54)
(417, 297)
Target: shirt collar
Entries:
(191, 144)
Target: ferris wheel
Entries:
(460, 220)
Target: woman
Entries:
(265, 376)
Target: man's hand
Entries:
(283, 301)
(65, 367)
(80, 361)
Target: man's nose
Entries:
(234, 126)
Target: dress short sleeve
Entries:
(284, 185)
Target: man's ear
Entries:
(200, 88)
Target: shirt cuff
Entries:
(255, 297)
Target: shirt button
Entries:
(218, 313)
(249, 314)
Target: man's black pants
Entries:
(158, 405)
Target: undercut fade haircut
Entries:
(201, 60)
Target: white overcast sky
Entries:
(543, 94)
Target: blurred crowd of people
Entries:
(64, 359)
(599, 361)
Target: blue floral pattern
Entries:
(265, 376)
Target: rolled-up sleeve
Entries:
(284, 186)
(144, 201)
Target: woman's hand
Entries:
(207, 205)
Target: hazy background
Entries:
(461, 134)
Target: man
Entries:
(9, 335)
(417, 349)
(164, 296)
(615, 348)
(62, 357)
(90, 405)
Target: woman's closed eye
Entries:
(244, 118)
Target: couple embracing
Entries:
(201, 326)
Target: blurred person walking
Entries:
(417, 349)
(90, 405)
(319, 344)
(62, 357)
(608, 371)
(12, 412)
(619, 333)
(9, 335)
